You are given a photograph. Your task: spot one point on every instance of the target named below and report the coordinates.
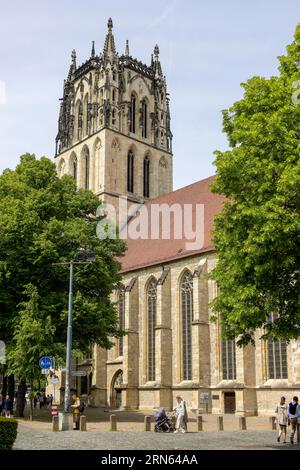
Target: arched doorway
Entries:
(116, 390)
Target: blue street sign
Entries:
(45, 362)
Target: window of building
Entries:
(151, 307)
(186, 294)
(277, 360)
(74, 169)
(121, 318)
(114, 118)
(86, 160)
(130, 172)
(228, 352)
(132, 114)
(87, 117)
(114, 96)
(277, 357)
(144, 119)
(146, 176)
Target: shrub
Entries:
(8, 433)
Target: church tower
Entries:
(114, 133)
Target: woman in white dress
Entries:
(282, 419)
(181, 414)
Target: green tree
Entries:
(44, 221)
(257, 235)
(33, 331)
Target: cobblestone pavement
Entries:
(32, 438)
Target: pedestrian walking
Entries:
(41, 400)
(294, 414)
(282, 418)
(48, 400)
(45, 399)
(8, 407)
(181, 415)
(77, 408)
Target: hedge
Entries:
(8, 433)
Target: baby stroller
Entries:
(163, 423)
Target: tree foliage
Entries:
(44, 221)
(257, 236)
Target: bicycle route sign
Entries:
(45, 362)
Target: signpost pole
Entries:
(54, 383)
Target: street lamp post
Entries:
(69, 342)
(83, 258)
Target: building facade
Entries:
(115, 139)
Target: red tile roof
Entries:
(142, 253)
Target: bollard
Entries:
(55, 424)
(147, 423)
(200, 423)
(113, 423)
(243, 423)
(82, 423)
(220, 423)
(273, 423)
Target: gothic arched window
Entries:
(186, 296)
(144, 119)
(86, 115)
(74, 168)
(86, 167)
(79, 119)
(151, 310)
(121, 317)
(146, 176)
(130, 172)
(277, 357)
(228, 354)
(132, 114)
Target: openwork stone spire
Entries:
(127, 49)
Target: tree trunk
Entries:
(31, 400)
(20, 399)
(4, 386)
(11, 386)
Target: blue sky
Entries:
(207, 50)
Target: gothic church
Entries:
(115, 139)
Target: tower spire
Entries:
(157, 64)
(93, 53)
(73, 66)
(74, 59)
(109, 45)
(127, 48)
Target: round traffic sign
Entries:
(45, 362)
